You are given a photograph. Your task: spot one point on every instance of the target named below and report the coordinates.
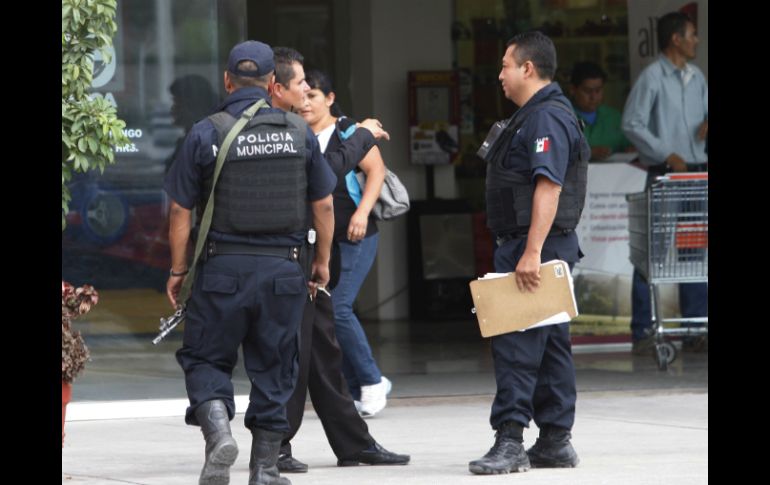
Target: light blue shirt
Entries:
(664, 111)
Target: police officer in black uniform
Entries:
(251, 289)
(536, 185)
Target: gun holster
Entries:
(306, 257)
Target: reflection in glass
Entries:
(164, 75)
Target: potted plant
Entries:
(74, 352)
(90, 128)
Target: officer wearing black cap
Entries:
(535, 190)
(250, 290)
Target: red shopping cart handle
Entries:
(685, 176)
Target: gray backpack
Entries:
(393, 200)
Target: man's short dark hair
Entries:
(248, 81)
(586, 70)
(536, 47)
(670, 24)
(285, 57)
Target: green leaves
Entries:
(90, 126)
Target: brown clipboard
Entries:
(501, 307)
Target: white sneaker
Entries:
(364, 415)
(388, 385)
(388, 388)
(374, 397)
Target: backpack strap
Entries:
(354, 186)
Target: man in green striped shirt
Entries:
(602, 123)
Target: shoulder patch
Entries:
(542, 145)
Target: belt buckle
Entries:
(211, 248)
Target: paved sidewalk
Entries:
(622, 438)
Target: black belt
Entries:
(214, 248)
(504, 238)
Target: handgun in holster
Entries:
(307, 254)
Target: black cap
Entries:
(252, 50)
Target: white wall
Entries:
(388, 39)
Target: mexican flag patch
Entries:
(542, 145)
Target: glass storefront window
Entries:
(582, 30)
(165, 74)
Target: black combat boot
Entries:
(221, 447)
(507, 455)
(553, 449)
(265, 446)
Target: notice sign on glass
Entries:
(434, 117)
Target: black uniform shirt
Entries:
(196, 161)
(543, 144)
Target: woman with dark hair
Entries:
(355, 237)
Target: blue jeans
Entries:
(693, 302)
(358, 364)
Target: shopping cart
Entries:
(668, 226)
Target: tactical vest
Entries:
(262, 188)
(510, 194)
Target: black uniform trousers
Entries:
(249, 300)
(534, 370)
(320, 373)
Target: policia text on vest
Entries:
(265, 144)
